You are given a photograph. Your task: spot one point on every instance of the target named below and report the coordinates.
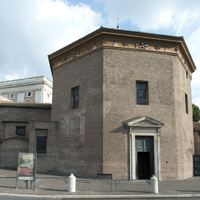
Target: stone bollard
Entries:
(154, 184)
(72, 183)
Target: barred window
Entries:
(41, 144)
(198, 136)
(21, 131)
(142, 92)
(75, 97)
(186, 103)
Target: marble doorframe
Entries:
(144, 126)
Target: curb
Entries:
(105, 196)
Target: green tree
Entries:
(196, 113)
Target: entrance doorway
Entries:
(143, 165)
(144, 157)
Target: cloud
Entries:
(169, 17)
(30, 30)
(193, 43)
(145, 15)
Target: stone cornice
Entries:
(26, 82)
(123, 40)
(26, 105)
(118, 32)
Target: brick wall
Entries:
(93, 138)
(20, 114)
(164, 74)
(80, 130)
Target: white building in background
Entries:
(36, 89)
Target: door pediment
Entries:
(144, 122)
(144, 127)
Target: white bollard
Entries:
(154, 184)
(72, 183)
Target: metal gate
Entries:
(196, 163)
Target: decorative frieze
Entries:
(103, 42)
(125, 44)
(21, 91)
(75, 54)
(115, 44)
(176, 49)
(86, 49)
(141, 45)
(157, 47)
(119, 43)
(166, 46)
(94, 47)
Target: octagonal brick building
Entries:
(123, 103)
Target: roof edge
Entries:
(112, 30)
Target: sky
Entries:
(30, 30)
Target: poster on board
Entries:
(26, 166)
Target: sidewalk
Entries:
(56, 186)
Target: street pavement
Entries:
(55, 186)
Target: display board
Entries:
(26, 167)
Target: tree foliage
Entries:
(196, 113)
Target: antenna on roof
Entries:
(117, 22)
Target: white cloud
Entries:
(30, 30)
(196, 95)
(153, 15)
(174, 17)
(193, 43)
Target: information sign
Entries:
(26, 168)
(26, 165)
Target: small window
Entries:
(142, 92)
(21, 131)
(186, 74)
(199, 136)
(186, 103)
(75, 97)
(29, 94)
(47, 95)
(12, 96)
(41, 144)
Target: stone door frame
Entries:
(144, 126)
(144, 149)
